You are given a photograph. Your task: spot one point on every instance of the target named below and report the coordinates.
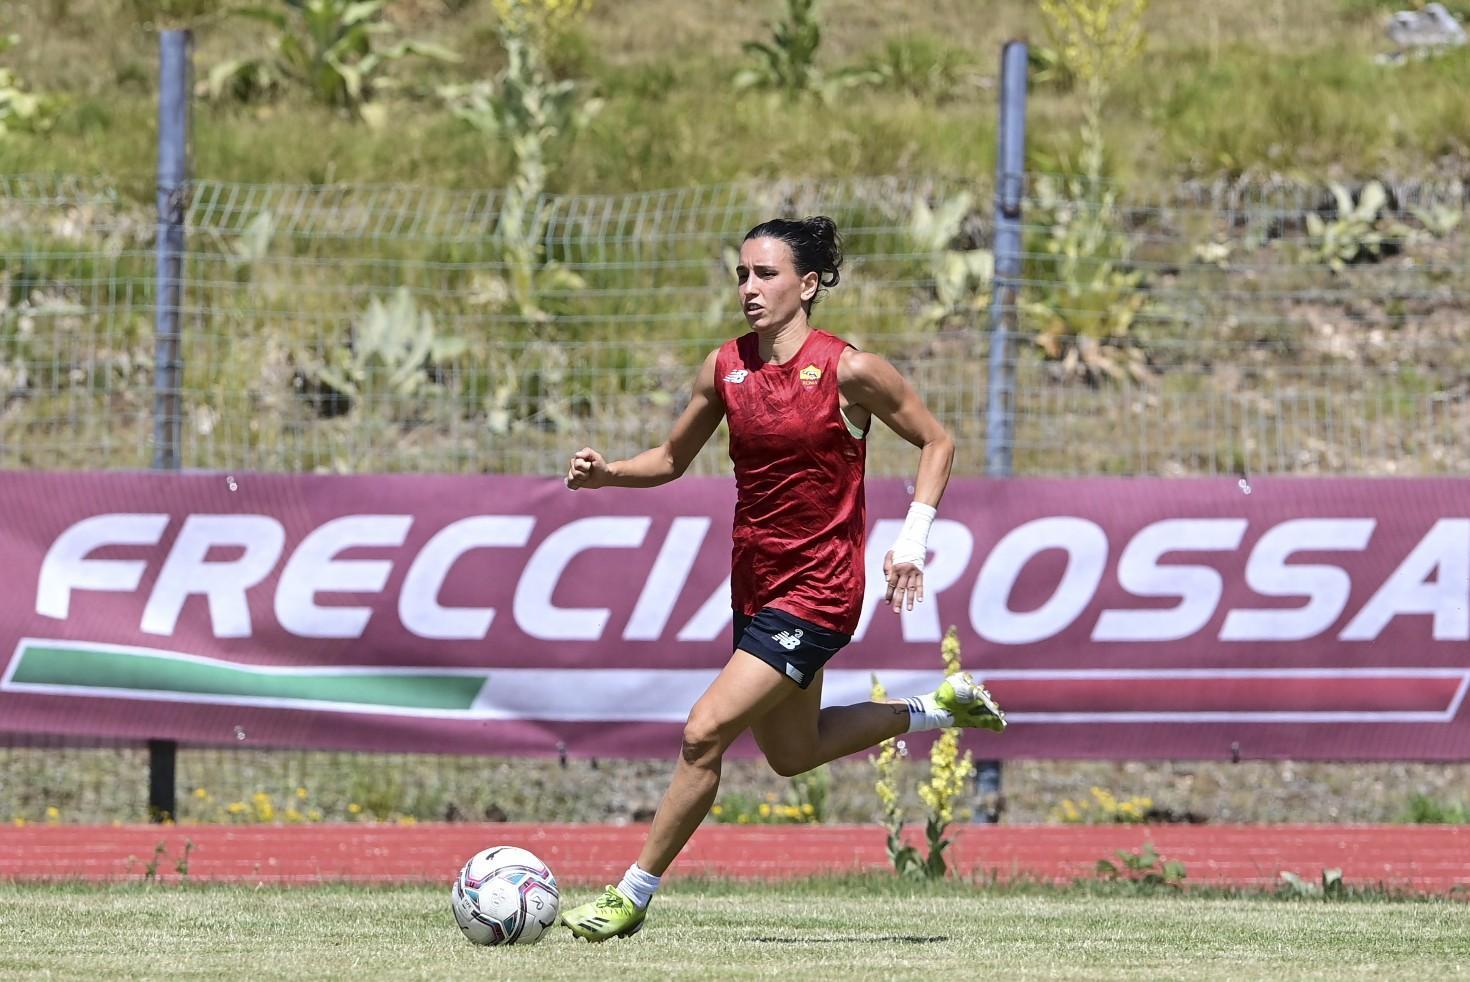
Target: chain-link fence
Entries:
(1212, 329)
(1226, 328)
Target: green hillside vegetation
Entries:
(1214, 280)
(1227, 87)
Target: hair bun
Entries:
(824, 230)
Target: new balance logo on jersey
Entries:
(737, 376)
(788, 639)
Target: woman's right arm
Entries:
(661, 464)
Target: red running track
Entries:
(1428, 859)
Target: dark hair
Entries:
(815, 247)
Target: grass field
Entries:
(867, 928)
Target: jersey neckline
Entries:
(786, 365)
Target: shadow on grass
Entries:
(860, 939)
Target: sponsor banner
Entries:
(1309, 618)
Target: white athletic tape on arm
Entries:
(912, 545)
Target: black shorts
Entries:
(796, 648)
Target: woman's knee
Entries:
(702, 739)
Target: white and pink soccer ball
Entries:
(504, 895)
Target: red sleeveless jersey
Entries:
(799, 512)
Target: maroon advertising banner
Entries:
(1112, 618)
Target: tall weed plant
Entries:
(21, 109)
(527, 108)
(787, 63)
(949, 773)
(334, 50)
(1091, 298)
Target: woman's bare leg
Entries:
(746, 690)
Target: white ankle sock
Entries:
(925, 714)
(638, 886)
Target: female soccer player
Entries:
(799, 402)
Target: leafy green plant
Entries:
(788, 62)
(1331, 886)
(380, 794)
(1381, 8)
(391, 353)
(1089, 299)
(1356, 232)
(252, 245)
(181, 864)
(921, 66)
(21, 110)
(332, 48)
(1437, 220)
(150, 868)
(1045, 67)
(161, 14)
(1143, 867)
(961, 277)
(1424, 809)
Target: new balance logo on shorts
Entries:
(788, 639)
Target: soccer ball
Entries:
(504, 895)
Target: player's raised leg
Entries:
(745, 690)
(803, 736)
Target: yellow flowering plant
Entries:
(543, 17)
(949, 771)
(740, 809)
(1104, 808)
(905, 858)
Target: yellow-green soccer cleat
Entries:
(969, 703)
(611, 915)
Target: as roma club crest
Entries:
(810, 375)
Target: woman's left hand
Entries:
(905, 583)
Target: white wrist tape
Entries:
(912, 545)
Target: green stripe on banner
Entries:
(90, 669)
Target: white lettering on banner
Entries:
(67, 568)
(950, 546)
(1197, 587)
(713, 618)
(313, 569)
(1433, 580)
(535, 614)
(1444, 552)
(1326, 587)
(1086, 545)
(666, 579)
(418, 601)
(187, 571)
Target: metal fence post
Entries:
(173, 176)
(1010, 178)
